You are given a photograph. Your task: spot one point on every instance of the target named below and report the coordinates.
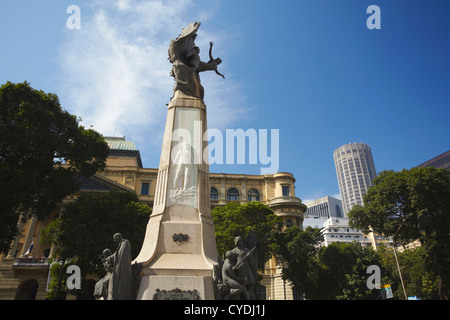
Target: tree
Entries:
(236, 219)
(412, 204)
(344, 271)
(418, 281)
(87, 225)
(296, 251)
(42, 149)
(338, 271)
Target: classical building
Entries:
(355, 171)
(23, 274)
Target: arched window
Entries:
(233, 194)
(253, 195)
(214, 194)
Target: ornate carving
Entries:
(176, 294)
(180, 238)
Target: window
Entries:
(214, 194)
(285, 190)
(233, 194)
(253, 195)
(289, 223)
(145, 187)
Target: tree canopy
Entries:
(86, 228)
(42, 149)
(337, 271)
(411, 204)
(296, 251)
(87, 225)
(236, 219)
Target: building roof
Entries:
(441, 161)
(119, 146)
(119, 143)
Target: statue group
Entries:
(235, 279)
(186, 63)
(118, 282)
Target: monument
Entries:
(179, 252)
(117, 284)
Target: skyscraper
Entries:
(355, 171)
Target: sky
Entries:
(311, 70)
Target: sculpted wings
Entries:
(183, 44)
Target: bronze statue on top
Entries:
(186, 63)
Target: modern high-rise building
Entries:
(355, 171)
(320, 210)
(327, 215)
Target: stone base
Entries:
(176, 288)
(179, 269)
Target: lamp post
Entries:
(396, 259)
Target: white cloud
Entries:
(115, 72)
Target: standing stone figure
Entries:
(244, 268)
(121, 281)
(183, 165)
(186, 63)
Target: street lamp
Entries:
(396, 259)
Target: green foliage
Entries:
(418, 281)
(36, 137)
(338, 271)
(236, 219)
(87, 226)
(57, 289)
(353, 261)
(297, 250)
(412, 204)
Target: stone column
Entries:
(15, 243)
(179, 249)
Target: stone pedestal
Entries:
(179, 249)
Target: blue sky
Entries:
(309, 68)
